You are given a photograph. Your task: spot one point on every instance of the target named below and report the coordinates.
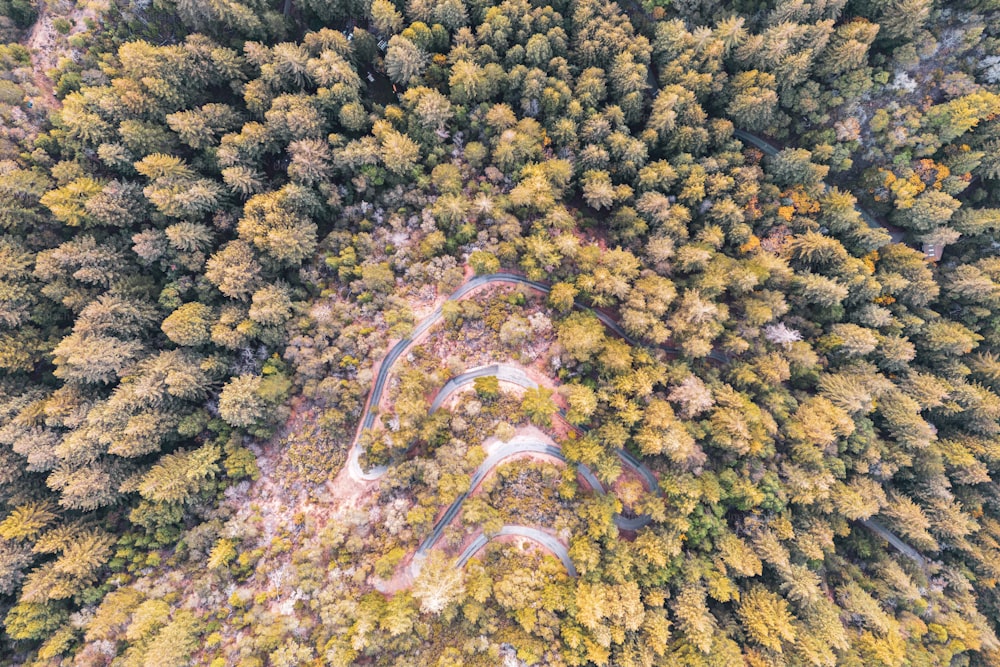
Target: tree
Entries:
(793, 166)
(271, 305)
(404, 60)
(279, 224)
(399, 615)
(693, 617)
(95, 359)
(644, 309)
(581, 335)
(468, 82)
(27, 620)
(234, 270)
(483, 263)
(240, 402)
(26, 522)
(753, 102)
(439, 584)
(487, 387)
(399, 153)
(310, 161)
(693, 396)
(901, 19)
(189, 324)
(537, 405)
(386, 19)
(582, 402)
(68, 203)
(174, 644)
(562, 296)
(766, 618)
(931, 209)
(179, 476)
(450, 13)
(598, 191)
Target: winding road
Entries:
(502, 372)
(891, 538)
(514, 447)
(545, 540)
(517, 376)
(397, 350)
(895, 234)
(533, 445)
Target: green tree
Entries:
(581, 335)
(753, 102)
(404, 60)
(240, 402)
(538, 406)
(487, 387)
(189, 324)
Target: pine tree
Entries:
(25, 522)
(179, 476)
(240, 403)
(234, 270)
(537, 405)
(189, 324)
(693, 617)
(404, 60)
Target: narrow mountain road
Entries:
(528, 444)
(397, 350)
(545, 540)
(517, 376)
(514, 447)
(891, 538)
(512, 374)
(895, 233)
(503, 372)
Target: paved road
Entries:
(517, 445)
(397, 350)
(517, 376)
(506, 450)
(520, 445)
(504, 372)
(897, 235)
(891, 538)
(548, 542)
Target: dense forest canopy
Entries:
(468, 332)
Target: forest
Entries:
(499, 332)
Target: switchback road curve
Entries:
(517, 376)
(397, 350)
(545, 540)
(478, 282)
(514, 447)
